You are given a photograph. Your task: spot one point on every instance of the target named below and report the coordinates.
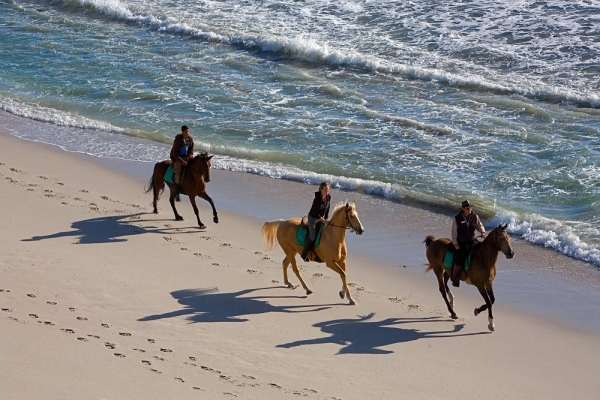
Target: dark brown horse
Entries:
(481, 272)
(332, 249)
(197, 175)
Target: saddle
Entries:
(170, 172)
(449, 257)
(302, 235)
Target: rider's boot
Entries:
(307, 245)
(456, 275)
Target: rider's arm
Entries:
(454, 232)
(479, 226)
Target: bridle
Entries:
(348, 222)
(200, 157)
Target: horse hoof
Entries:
(155, 211)
(216, 220)
(202, 226)
(308, 291)
(342, 294)
(476, 312)
(491, 327)
(179, 218)
(352, 302)
(454, 316)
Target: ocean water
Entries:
(428, 102)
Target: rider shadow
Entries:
(362, 336)
(209, 305)
(108, 229)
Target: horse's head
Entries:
(352, 220)
(501, 241)
(204, 162)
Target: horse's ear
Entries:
(502, 227)
(210, 157)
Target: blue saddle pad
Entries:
(449, 257)
(169, 174)
(301, 235)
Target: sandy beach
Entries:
(101, 299)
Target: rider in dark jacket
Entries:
(319, 211)
(181, 152)
(464, 225)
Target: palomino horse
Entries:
(332, 249)
(197, 175)
(481, 272)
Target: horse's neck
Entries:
(486, 251)
(339, 220)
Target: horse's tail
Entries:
(428, 240)
(269, 233)
(150, 185)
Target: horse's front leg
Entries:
(172, 202)
(195, 207)
(206, 197)
(486, 306)
(345, 290)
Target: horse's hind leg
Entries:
(486, 306)
(445, 291)
(448, 292)
(195, 207)
(297, 272)
(172, 202)
(206, 197)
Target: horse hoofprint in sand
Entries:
(481, 272)
(332, 249)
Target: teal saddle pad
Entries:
(450, 256)
(169, 174)
(301, 235)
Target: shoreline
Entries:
(101, 298)
(539, 280)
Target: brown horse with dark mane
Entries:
(197, 175)
(481, 272)
(331, 250)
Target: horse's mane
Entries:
(342, 204)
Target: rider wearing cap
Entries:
(464, 225)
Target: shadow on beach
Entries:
(209, 305)
(112, 229)
(362, 335)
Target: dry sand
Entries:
(101, 299)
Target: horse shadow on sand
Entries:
(363, 335)
(210, 305)
(111, 229)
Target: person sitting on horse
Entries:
(181, 152)
(464, 225)
(319, 212)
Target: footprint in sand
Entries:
(106, 325)
(140, 350)
(94, 336)
(159, 358)
(67, 330)
(166, 350)
(249, 377)
(82, 339)
(4, 290)
(34, 315)
(275, 385)
(83, 190)
(197, 388)
(152, 340)
(52, 303)
(72, 309)
(155, 371)
(124, 333)
(193, 358)
(179, 380)
(109, 345)
(146, 362)
(82, 318)
(33, 296)
(7, 309)
(120, 355)
(47, 323)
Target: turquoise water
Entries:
(428, 102)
